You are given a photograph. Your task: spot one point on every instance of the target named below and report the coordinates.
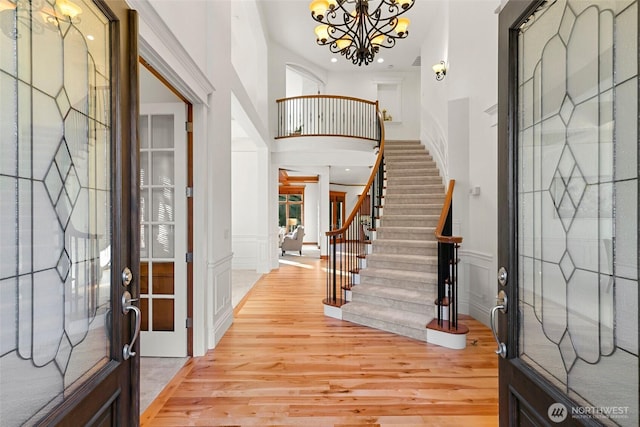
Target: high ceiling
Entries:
(289, 23)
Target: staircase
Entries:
(398, 286)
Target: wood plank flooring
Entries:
(283, 363)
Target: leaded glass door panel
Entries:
(569, 205)
(65, 222)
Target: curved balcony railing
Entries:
(328, 115)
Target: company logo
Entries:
(557, 412)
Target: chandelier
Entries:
(357, 29)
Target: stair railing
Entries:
(448, 260)
(327, 115)
(347, 246)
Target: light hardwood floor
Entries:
(284, 363)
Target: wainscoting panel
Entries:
(220, 311)
(477, 284)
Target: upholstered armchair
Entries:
(293, 241)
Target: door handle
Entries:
(127, 351)
(501, 304)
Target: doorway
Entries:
(165, 232)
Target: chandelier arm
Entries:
(352, 32)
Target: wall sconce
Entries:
(440, 69)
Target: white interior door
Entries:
(163, 230)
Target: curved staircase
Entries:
(397, 285)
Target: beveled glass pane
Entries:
(24, 131)
(626, 36)
(162, 131)
(9, 221)
(23, 41)
(582, 57)
(163, 314)
(626, 249)
(9, 314)
(626, 130)
(76, 70)
(162, 241)
(162, 168)
(553, 77)
(47, 132)
(8, 134)
(47, 60)
(162, 204)
(7, 43)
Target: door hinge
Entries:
(188, 126)
(189, 191)
(189, 257)
(189, 323)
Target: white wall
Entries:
(363, 84)
(244, 208)
(461, 134)
(249, 55)
(311, 213)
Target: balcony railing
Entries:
(328, 115)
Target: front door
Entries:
(163, 230)
(68, 216)
(568, 213)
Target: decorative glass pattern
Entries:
(578, 200)
(55, 215)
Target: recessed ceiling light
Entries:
(380, 60)
(90, 37)
(347, 169)
(334, 59)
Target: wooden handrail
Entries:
(365, 192)
(443, 217)
(347, 98)
(327, 116)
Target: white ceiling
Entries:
(289, 23)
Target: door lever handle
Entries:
(127, 351)
(501, 304)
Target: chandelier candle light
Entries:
(358, 29)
